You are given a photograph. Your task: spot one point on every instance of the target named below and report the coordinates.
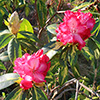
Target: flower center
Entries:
(72, 23)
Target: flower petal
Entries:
(33, 63)
(38, 77)
(25, 84)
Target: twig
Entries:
(76, 94)
(47, 89)
(49, 4)
(94, 93)
(63, 87)
(41, 30)
(60, 12)
(58, 5)
(30, 98)
(60, 95)
(92, 5)
(52, 92)
(81, 86)
(69, 83)
(95, 75)
(64, 96)
(71, 73)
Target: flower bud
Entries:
(13, 23)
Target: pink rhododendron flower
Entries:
(32, 68)
(75, 28)
(25, 84)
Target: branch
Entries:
(58, 5)
(41, 30)
(94, 81)
(60, 95)
(94, 93)
(76, 94)
(71, 73)
(62, 89)
(52, 92)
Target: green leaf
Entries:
(25, 26)
(32, 1)
(17, 94)
(52, 48)
(69, 57)
(96, 51)
(97, 32)
(4, 56)
(1, 20)
(5, 37)
(63, 75)
(4, 10)
(63, 59)
(38, 94)
(27, 44)
(2, 66)
(87, 53)
(8, 79)
(94, 47)
(51, 11)
(81, 97)
(27, 10)
(95, 98)
(14, 49)
(55, 64)
(75, 70)
(81, 6)
(42, 12)
(1, 2)
(29, 35)
(94, 13)
(51, 28)
(73, 56)
(49, 77)
(6, 22)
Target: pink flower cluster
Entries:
(32, 68)
(75, 28)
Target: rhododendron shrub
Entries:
(63, 48)
(75, 28)
(32, 68)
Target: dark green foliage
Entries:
(38, 94)
(67, 61)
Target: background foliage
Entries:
(73, 75)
